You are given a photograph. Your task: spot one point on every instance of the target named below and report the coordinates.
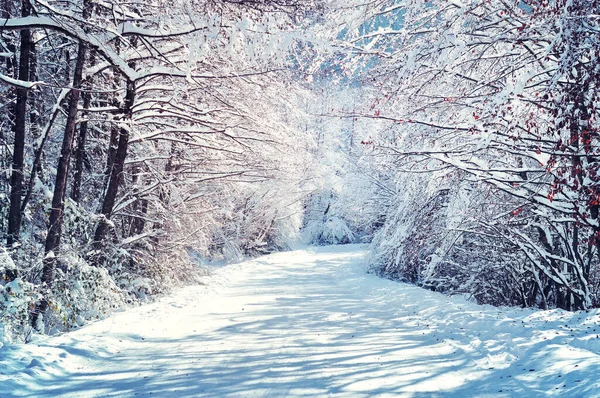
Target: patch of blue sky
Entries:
(388, 21)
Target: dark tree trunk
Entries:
(114, 132)
(60, 187)
(62, 172)
(16, 179)
(9, 115)
(139, 223)
(116, 171)
(34, 105)
(37, 159)
(81, 141)
(140, 207)
(112, 153)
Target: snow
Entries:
(312, 323)
(19, 83)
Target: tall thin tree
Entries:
(19, 129)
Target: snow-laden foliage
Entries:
(499, 98)
(16, 299)
(346, 190)
(132, 133)
(80, 292)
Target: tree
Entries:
(179, 115)
(499, 93)
(19, 129)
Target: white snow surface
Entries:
(312, 323)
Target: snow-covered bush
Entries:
(513, 117)
(442, 235)
(257, 219)
(17, 298)
(332, 230)
(80, 292)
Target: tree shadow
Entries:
(338, 334)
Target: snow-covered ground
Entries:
(312, 323)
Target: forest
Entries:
(142, 142)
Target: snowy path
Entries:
(313, 324)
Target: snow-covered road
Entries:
(312, 323)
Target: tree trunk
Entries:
(112, 153)
(139, 223)
(140, 207)
(81, 140)
(16, 179)
(37, 158)
(60, 187)
(116, 171)
(35, 119)
(9, 115)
